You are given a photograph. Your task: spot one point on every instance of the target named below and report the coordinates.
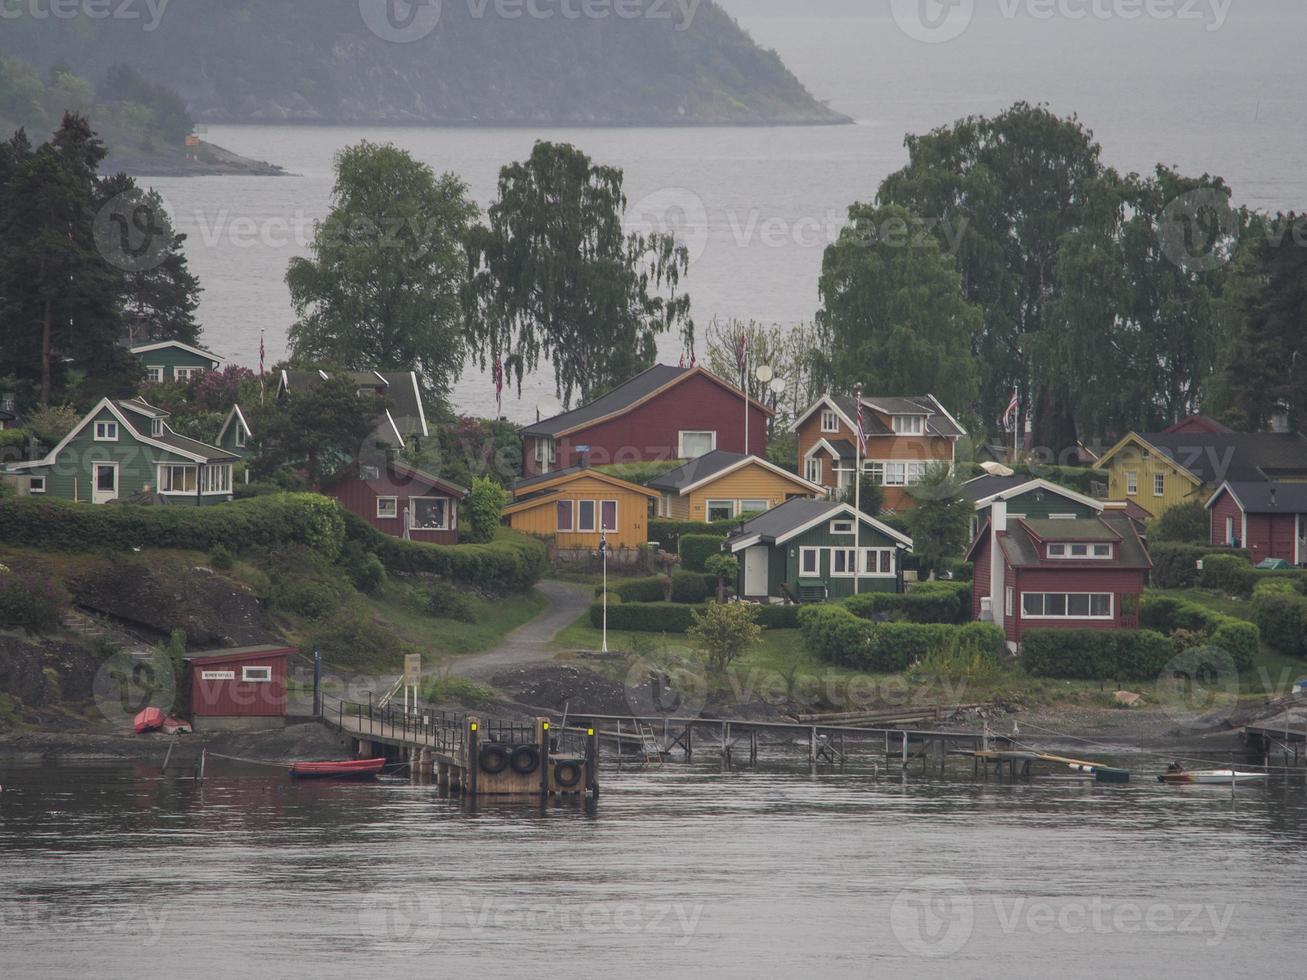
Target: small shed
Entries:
(238, 690)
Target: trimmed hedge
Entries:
(674, 617)
(1169, 614)
(1282, 620)
(687, 587)
(1096, 655)
(695, 549)
(1229, 574)
(839, 637)
(241, 526)
(933, 604)
(513, 562)
(668, 533)
(1175, 566)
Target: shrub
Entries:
(1274, 586)
(351, 639)
(644, 617)
(309, 596)
(1195, 625)
(446, 602)
(455, 690)
(1229, 574)
(366, 572)
(725, 633)
(637, 589)
(31, 602)
(724, 568)
(837, 636)
(778, 617)
(691, 587)
(1187, 523)
(696, 549)
(1175, 566)
(1282, 620)
(220, 557)
(484, 510)
(929, 603)
(668, 532)
(1241, 640)
(1096, 655)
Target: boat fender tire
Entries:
(526, 760)
(493, 759)
(567, 774)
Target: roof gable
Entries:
(200, 352)
(718, 464)
(939, 422)
(556, 481)
(1010, 488)
(796, 517)
(1215, 457)
(237, 416)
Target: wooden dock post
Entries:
(689, 741)
(904, 759)
(473, 754)
(592, 762)
(812, 745)
(753, 748)
(542, 739)
(726, 744)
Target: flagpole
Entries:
(603, 551)
(1016, 425)
(857, 493)
(744, 386)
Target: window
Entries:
(154, 374)
(841, 527)
(843, 475)
(844, 562)
(36, 485)
(721, 510)
(909, 425)
(916, 473)
(1009, 601)
(1131, 482)
(216, 479)
(810, 561)
(369, 472)
(830, 422)
(240, 436)
(696, 444)
(812, 469)
(566, 518)
(665, 505)
(186, 373)
(1060, 605)
(429, 513)
(608, 515)
(256, 675)
(1061, 517)
(156, 427)
(875, 470)
(877, 561)
(1229, 531)
(896, 475)
(1102, 551)
(106, 431)
(585, 516)
(1057, 551)
(1159, 484)
(177, 478)
(1063, 550)
(387, 508)
(754, 506)
(545, 451)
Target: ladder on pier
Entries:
(650, 745)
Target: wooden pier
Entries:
(1283, 737)
(471, 755)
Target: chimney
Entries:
(997, 578)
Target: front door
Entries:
(755, 571)
(105, 487)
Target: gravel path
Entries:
(530, 644)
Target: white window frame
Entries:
(665, 505)
(813, 469)
(571, 509)
(1132, 483)
(680, 443)
(847, 553)
(186, 373)
(1106, 552)
(1062, 517)
(394, 503)
(1009, 601)
(1111, 606)
(708, 509)
(1065, 551)
(106, 431)
(803, 554)
(830, 421)
(240, 436)
(593, 527)
(875, 469)
(169, 467)
(1159, 484)
(413, 510)
(156, 427)
(256, 675)
(154, 374)
(843, 474)
(216, 479)
(909, 425)
(32, 484)
(844, 526)
(895, 474)
(871, 559)
(1057, 551)
(743, 507)
(617, 516)
(546, 451)
(1229, 532)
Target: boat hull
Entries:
(352, 769)
(1214, 777)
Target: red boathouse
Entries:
(1269, 518)
(239, 690)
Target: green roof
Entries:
(1080, 529)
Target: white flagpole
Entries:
(603, 550)
(1016, 426)
(857, 493)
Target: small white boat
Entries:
(1210, 777)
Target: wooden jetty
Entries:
(472, 755)
(1282, 736)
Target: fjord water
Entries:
(758, 206)
(110, 871)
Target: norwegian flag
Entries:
(262, 353)
(694, 359)
(1010, 415)
(499, 387)
(862, 431)
(682, 362)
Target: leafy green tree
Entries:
(941, 520)
(383, 288)
(1188, 523)
(557, 277)
(725, 632)
(794, 354)
(871, 495)
(893, 315)
(51, 423)
(485, 509)
(726, 569)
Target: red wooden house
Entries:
(1268, 517)
(662, 413)
(241, 689)
(399, 500)
(1052, 573)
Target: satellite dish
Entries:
(764, 373)
(778, 385)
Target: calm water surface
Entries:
(111, 871)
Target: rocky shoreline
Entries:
(204, 160)
(305, 741)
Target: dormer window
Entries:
(1079, 551)
(830, 422)
(909, 425)
(106, 431)
(156, 427)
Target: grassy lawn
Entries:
(494, 620)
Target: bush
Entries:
(366, 572)
(837, 636)
(668, 532)
(644, 617)
(1228, 574)
(693, 587)
(308, 596)
(778, 617)
(1282, 620)
(446, 602)
(220, 558)
(1175, 566)
(31, 602)
(929, 603)
(1096, 655)
(484, 510)
(1274, 586)
(637, 590)
(1176, 617)
(1187, 523)
(695, 549)
(1241, 640)
(351, 639)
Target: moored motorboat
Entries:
(349, 769)
(1210, 777)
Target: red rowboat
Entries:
(353, 769)
(149, 720)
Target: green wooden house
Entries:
(171, 360)
(813, 550)
(1026, 496)
(235, 436)
(124, 449)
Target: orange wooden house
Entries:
(573, 506)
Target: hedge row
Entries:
(1175, 566)
(687, 587)
(1096, 655)
(675, 617)
(933, 603)
(1168, 614)
(243, 525)
(1282, 620)
(695, 549)
(668, 533)
(837, 636)
(1228, 574)
(513, 562)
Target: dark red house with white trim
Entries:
(1052, 573)
(239, 690)
(662, 413)
(1268, 517)
(400, 500)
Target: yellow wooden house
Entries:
(721, 486)
(1160, 470)
(575, 505)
